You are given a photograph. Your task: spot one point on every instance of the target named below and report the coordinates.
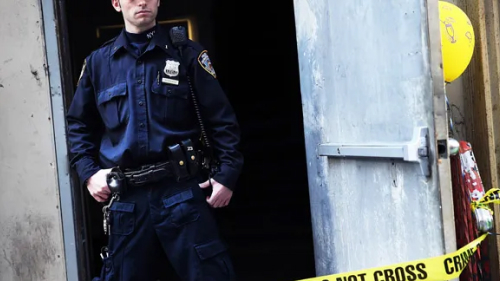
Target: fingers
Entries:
(220, 196)
(105, 190)
(226, 202)
(221, 203)
(100, 194)
(99, 198)
(97, 186)
(205, 184)
(214, 201)
(218, 200)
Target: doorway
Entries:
(268, 223)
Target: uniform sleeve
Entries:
(83, 128)
(219, 118)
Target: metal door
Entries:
(374, 116)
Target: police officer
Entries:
(133, 114)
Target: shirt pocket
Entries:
(113, 105)
(171, 104)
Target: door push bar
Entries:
(417, 150)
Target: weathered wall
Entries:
(475, 98)
(30, 232)
(367, 76)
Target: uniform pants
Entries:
(166, 219)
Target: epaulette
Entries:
(195, 45)
(109, 41)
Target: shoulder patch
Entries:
(83, 70)
(205, 63)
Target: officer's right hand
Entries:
(98, 186)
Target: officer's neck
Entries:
(142, 36)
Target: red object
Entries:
(468, 187)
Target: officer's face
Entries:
(139, 15)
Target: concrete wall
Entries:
(31, 230)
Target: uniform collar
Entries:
(120, 42)
(161, 40)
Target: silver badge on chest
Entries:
(171, 68)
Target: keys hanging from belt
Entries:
(105, 210)
(104, 252)
(116, 183)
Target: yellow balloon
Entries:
(457, 40)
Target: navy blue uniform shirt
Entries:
(129, 107)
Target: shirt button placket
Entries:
(141, 110)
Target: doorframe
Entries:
(59, 71)
(441, 126)
(76, 237)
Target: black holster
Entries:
(116, 181)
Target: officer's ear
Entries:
(116, 4)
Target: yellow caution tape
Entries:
(445, 267)
(491, 196)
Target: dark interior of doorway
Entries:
(253, 49)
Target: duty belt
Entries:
(148, 173)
